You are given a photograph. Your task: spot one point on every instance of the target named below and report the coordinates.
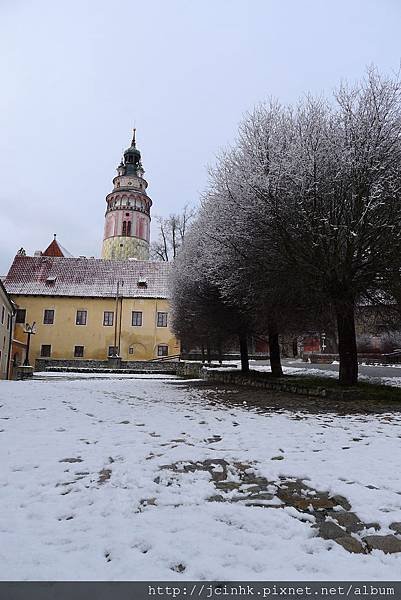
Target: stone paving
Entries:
(330, 515)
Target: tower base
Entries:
(122, 248)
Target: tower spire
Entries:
(133, 143)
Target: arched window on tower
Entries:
(129, 228)
(124, 227)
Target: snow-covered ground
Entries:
(93, 485)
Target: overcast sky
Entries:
(77, 75)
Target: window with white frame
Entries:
(82, 316)
(162, 350)
(162, 319)
(136, 318)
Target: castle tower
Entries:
(127, 226)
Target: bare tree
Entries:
(171, 234)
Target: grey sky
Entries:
(76, 75)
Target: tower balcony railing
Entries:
(146, 211)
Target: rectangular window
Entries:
(3, 310)
(21, 315)
(162, 319)
(112, 351)
(48, 317)
(78, 351)
(8, 321)
(136, 318)
(81, 317)
(108, 318)
(45, 350)
(162, 350)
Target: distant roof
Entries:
(56, 249)
(86, 277)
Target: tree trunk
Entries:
(243, 347)
(345, 312)
(208, 354)
(203, 353)
(220, 353)
(274, 352)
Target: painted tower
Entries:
(127, 226)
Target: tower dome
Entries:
(132, 157)
(127, 219)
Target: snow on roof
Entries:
(86, 277)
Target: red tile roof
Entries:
(53, 249)
(86, 277)
(56, 249)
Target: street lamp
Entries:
(29, 330)
(323, 342)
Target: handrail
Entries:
(164, 358)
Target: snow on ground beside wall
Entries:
(91, 375)
(86, 492)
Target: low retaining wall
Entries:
(23, 372)
(96, 366)
(368, 358)
(279, 385)
(190, 370)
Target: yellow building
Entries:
(6, 330)
(95, 309)
(92, 308)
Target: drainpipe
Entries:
(119, 327)
(10, 342)
(115, 321)
(155, 333)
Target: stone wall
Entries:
(42, 364)
(190, 370)
(369, 358)
(280, 385)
